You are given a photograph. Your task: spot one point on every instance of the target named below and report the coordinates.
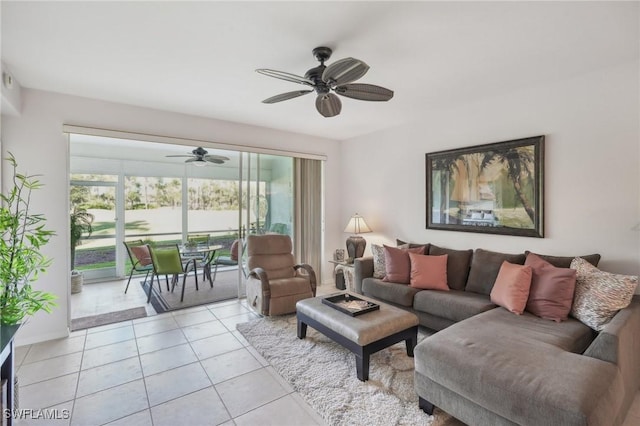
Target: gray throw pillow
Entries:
(565, 261)
(405, 244)
(458, 263)
(485, 266)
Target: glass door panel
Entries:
(213, 209)
(153, 209)
(95, 254)
(266, 186)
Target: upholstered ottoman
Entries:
(364, 334)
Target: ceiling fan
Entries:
(323, 79)
(200, 157)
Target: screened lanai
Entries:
(135, 190)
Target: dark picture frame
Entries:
(495, 188)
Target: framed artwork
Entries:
(338, 255)
(495, 188)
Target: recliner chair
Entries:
(275, 283)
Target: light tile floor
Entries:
(189, 367)
(186, 367)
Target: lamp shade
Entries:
(357, 225)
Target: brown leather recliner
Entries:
(275, 283)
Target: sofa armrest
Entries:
(618, 343)
(363, 268)
(618, 336)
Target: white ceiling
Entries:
(199, 58)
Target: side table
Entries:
(348, 271)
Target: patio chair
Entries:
(199, 239)
(204, 258)
(140, 259)
(231, 260)
(167, 261)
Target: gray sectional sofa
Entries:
(488, 366)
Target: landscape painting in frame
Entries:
(495, 188)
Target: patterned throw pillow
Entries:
(599, 295)
(378, 261)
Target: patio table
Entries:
(203, 254)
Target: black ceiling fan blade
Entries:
(365, 92)
(285, 76)
(214, 160)
(184, 156)
(344, 71)
(284, 96)
(328, 104)
(210, 157)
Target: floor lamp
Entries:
(355, 243)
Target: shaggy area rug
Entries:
(324, 373)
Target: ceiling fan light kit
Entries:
(324, 79)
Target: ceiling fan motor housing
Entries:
(315, 75)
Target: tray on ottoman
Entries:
(350, 304)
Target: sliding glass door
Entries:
(136, 192)
(266, 196)
(95, 253)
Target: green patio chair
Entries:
(198, 239)
(167, 261)
(140, 259)
(204, 258)
(231, 260)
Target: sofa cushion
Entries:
(551, 292)
(511, 289)
(400, 243)
(401, 295)
(458, 264)
(397, 263)
(454, 305)
(599, 295)
(542, 378)
(378, 261)
(565, 261)
(485, 267)
(428, 272)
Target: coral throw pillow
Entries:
(397, 263)
(428, 272)
(234, 250)
(599, 295)
(551, 293)
(511, 289)
(142, 254)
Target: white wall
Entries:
(592, 164)
(36, 139)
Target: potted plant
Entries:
(23, 235)
(80, 223)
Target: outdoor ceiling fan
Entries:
(323, 79)
(200, 157)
